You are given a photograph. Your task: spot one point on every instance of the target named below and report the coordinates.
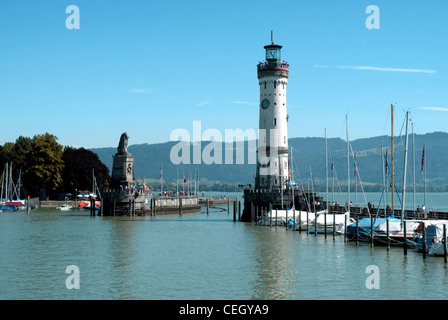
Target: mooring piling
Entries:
(444, 243)
(387, 234)
(357, 229)
(405, 245)
(424, 242)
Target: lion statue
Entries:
(123, 145)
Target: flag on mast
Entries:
(423, 158)
(385, 162)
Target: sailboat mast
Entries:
(405, 169)
(326, 166)
(413, 164)
(392, 155)
(383, 165)
(348, 164)
(424, 168)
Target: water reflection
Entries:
(273, 255)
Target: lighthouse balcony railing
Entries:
(270, 66)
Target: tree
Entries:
(77, 173)
(44, 164)
(19, 150)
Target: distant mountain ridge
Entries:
(308, 158)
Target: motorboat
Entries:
(64, 207)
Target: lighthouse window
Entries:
(275, 121)
(265, 84)
(284, 140)
(275, 84)
(283, 85)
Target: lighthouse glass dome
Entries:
(273, 54)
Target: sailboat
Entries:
(388, 230)
(10, 192)
(327, 222)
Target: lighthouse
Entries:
(273, 156)
(273, 190)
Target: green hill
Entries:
(308, 157)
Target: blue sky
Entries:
(149, 67)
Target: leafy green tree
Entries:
(77, 173)
(19, 150)
(44, 163)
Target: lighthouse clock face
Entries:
(265, 104)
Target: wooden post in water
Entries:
(345, 227)
(155, 207)
(208, 206)
(276, 218)
(239, 211)
(252, 212)
(334, 226)
(307, 222)
(405, 245)
(444, 243)
(424, 242)
(357, 229)
(387, 232)
(294, 219)
(371, 231)
(234, 209)
(180, 206)
(325, 221)
(228, 205)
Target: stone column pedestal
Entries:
(122, 171)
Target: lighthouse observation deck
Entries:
(269, 69)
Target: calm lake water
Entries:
(200, 257)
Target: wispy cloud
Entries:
(434, 108)
(203, 103)
(137, 90)
(321, 66)
(244, 102)
(387, 69)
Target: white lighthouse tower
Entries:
(273, 155)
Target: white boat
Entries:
(281, 217)
(63, 207)
(327, 219)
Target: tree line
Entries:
(48, 168)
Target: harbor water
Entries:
(200, 257)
